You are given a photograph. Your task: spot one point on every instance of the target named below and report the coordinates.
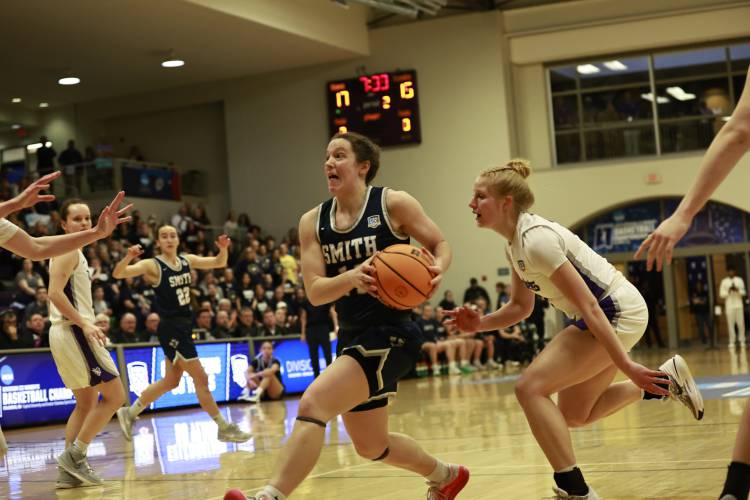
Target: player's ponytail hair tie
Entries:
(510, 179)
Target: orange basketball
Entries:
(402, 276)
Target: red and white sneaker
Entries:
(450, 489)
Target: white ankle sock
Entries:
(136, 409)
(273, 492)
(219, 419)
(566, 469)
(81, 446)
(440, 474)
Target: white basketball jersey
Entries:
(540, 246)
(78, 291)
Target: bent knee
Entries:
(528, 386)
(574, 418)
(309, 407)
(371, 449)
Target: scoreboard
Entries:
(382, 106)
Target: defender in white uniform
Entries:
(579, 364)
(77, 346)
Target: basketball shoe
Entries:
(232, 434)
(74, 462)
(561, 494)
(449, 489)
(126, 422)
(683, 388)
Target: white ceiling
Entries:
(116, 47)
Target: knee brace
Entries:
(382, 455)
(312, 421)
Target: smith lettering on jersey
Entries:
(180, 280)
(347, 250)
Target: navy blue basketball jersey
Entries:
(172, 291)
(346, 248)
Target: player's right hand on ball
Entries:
(95, 334)
(465, 318)
(362, 277)
(135, 251)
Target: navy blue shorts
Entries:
(386, 354)
(176, 339)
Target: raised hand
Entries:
(134, 252)
(223, 241)
(32, 194)
(661, 242)
(112, 216)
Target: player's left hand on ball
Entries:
(223, 241)
(362, 277)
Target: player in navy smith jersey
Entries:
(377, 345)
(169, 276)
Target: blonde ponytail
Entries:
(510, 179)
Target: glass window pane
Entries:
(740, 55)
(620, 142)
(565, 112)
(696, 98)
(613, 72)
(568, 147)
(690, 63)
(616, 106)
(689, 135)
(562, 79)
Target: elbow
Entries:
(117, 274)
(36, 252)
(315, 300)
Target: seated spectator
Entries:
(228, 286)
(127, 333)
(39, 306)
(488, 338)
(434, 345)
(289, 265)
(12, 337)
(514, 346)
(245, 324)
(27, 281)
(466, 347)
(222, 329)
(203, 323)
(103, 322)
(151, 334)
(282, 319)
(99, 303)
(448, 303)
(264, 377)
(269, 327)
(37, 328)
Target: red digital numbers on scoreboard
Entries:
(382, 106)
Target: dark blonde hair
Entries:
(510, 180)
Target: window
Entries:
(646, 105)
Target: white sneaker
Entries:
(563, 495)
(493, 365)
(436, 371)
(479, 366)
(683, 386)
(454, 370)
(126, 423)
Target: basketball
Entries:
(402, 276)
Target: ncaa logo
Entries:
(373, 221)
(6, 375)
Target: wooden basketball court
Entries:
(651, 449)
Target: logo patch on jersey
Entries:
(97, 371)
(531, 286)
(373, 221)
(521, 265)
(174, 343)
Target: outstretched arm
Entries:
(146, 267)
(30, 196)
(46, 247)
(217, 261)
(732, 141)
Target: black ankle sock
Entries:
(648, 395)
(738, 481)
(572, 482)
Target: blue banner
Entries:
(296, 367)
(224, 363)
(624, 229)
(31, 390)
